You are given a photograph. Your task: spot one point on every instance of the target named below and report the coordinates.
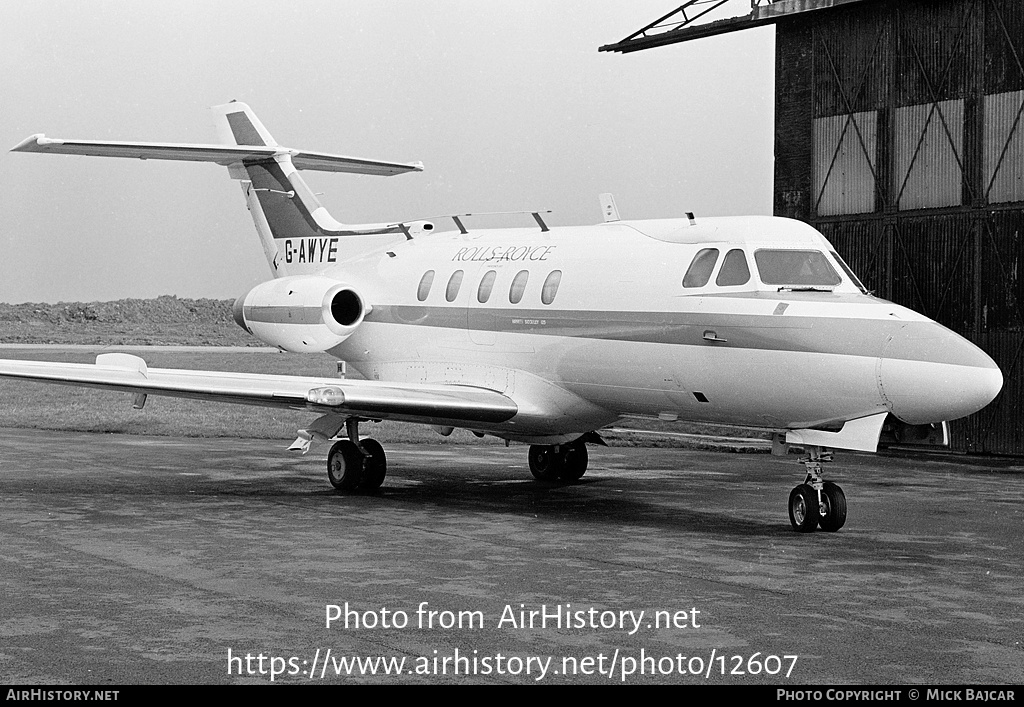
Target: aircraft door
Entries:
(693, 373)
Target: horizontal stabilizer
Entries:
(220, 154)
(407, 402)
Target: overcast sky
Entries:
(509, 105)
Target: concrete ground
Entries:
(155, 560)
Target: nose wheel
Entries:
(834, 500)
(817, 503)
(804, 509)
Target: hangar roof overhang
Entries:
(679, 25)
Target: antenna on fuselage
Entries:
(457, 218)
(693, 219)
(608, 208)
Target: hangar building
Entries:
(899, 134)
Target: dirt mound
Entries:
(164, 320)
(166, 309)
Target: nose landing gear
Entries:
(817, 503)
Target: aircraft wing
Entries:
(220, 154)
(407, 402)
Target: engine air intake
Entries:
(307, 313)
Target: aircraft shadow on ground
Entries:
(578, 502)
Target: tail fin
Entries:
(297, 233)
(236, 124)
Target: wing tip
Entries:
(32, 143)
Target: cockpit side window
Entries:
(849, 273)
(699, 272)
(734, 269)
(801, 268)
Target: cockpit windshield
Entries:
(849, 273)
(796, 268)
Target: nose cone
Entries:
(926, 373)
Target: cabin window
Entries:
(734, 270)
(454, 283)
(801, 268)
(515, 293)
(550, 289)
(425, 282)
(483, 293)
(699, 272)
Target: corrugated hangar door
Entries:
(963, 271)
(1000, 427)
(915, 168)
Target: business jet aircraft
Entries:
(545, 335)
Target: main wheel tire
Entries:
(835, 514)
(345, 466)
(574, 461)
(375, 468)
(803, 508)
(545, 463)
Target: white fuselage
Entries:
(619, 334)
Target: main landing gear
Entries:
(817, 503)
(561, 462)
(356, 465)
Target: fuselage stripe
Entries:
(769, 332)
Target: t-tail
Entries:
(297, 233)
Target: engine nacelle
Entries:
(304, 313)
(419, 227)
